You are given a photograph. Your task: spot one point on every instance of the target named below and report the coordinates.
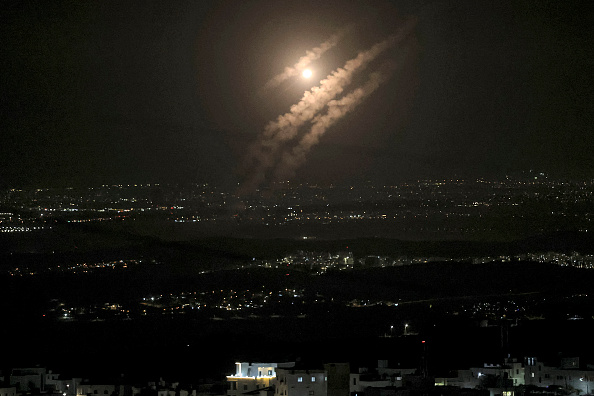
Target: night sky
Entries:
(141, 91)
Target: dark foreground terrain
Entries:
(192, 349)
(466, 313)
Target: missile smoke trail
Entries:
(304, 61)
(286, 125)
(337, 109)
(263, 155)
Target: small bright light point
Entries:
(307, 73)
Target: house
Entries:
(252, 378)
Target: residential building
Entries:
(10, 391)
(568, 375)
(504, 380)
(300, 382)
(252, 377)
(338, 378)
(28, 379)
(380, 377)
(97, 389)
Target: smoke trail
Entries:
(304, 61)
(286, 125)
(337, 109)
(263, 155)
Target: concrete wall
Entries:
(11, 391)
(301, 383)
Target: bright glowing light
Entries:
(307, 73)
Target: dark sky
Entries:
(142, 91)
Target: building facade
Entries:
(504, 380)
(291, 382)
(10, 391)
(251, 378)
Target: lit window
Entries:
(299, 379)
(313, 379)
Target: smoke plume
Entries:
(266, 153)
(337, 109)
(304, 61)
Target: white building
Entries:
(501, 380)
(252, 377)
(281, 378)
(568, 376)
